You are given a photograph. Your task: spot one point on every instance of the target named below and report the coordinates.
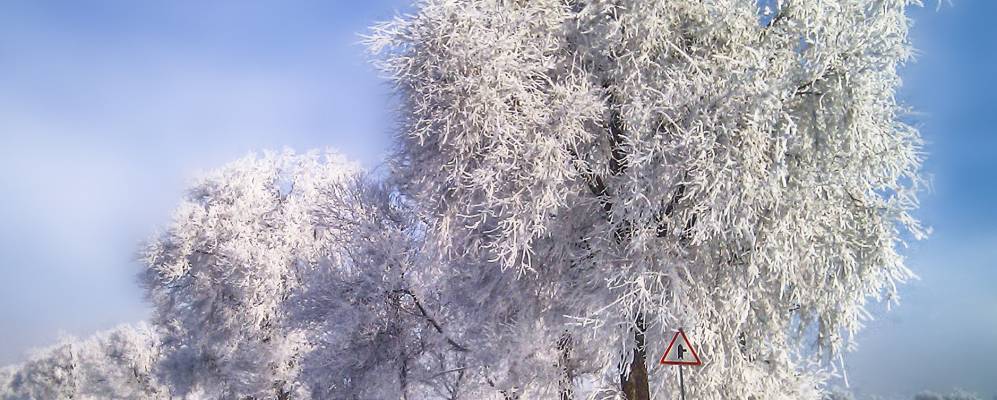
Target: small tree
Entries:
(116, 364)
(298, 276)
(360, 305)
(50, 374)
(649, 165)
(220, 276)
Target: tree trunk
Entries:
(566, 386)
(634, 384)
(403, 377)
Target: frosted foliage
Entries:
(373, 306)
(366, 343)
(667, 164)
(116, 364)
(300, 277)
(220, 275)
(6, 375)
(388, 319)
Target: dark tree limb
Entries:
(432, 321)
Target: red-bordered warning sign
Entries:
(680, 351)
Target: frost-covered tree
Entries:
(51, 373)
(300, 276)
(361, 306)
(6, 375)
(118, 364)
(221, 274)
(643, 165)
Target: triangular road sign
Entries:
(680, 351)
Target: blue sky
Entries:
(944, 333)
(107, 109)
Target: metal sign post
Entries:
(680, 352)
(681, 383)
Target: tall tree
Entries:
(742, 173)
